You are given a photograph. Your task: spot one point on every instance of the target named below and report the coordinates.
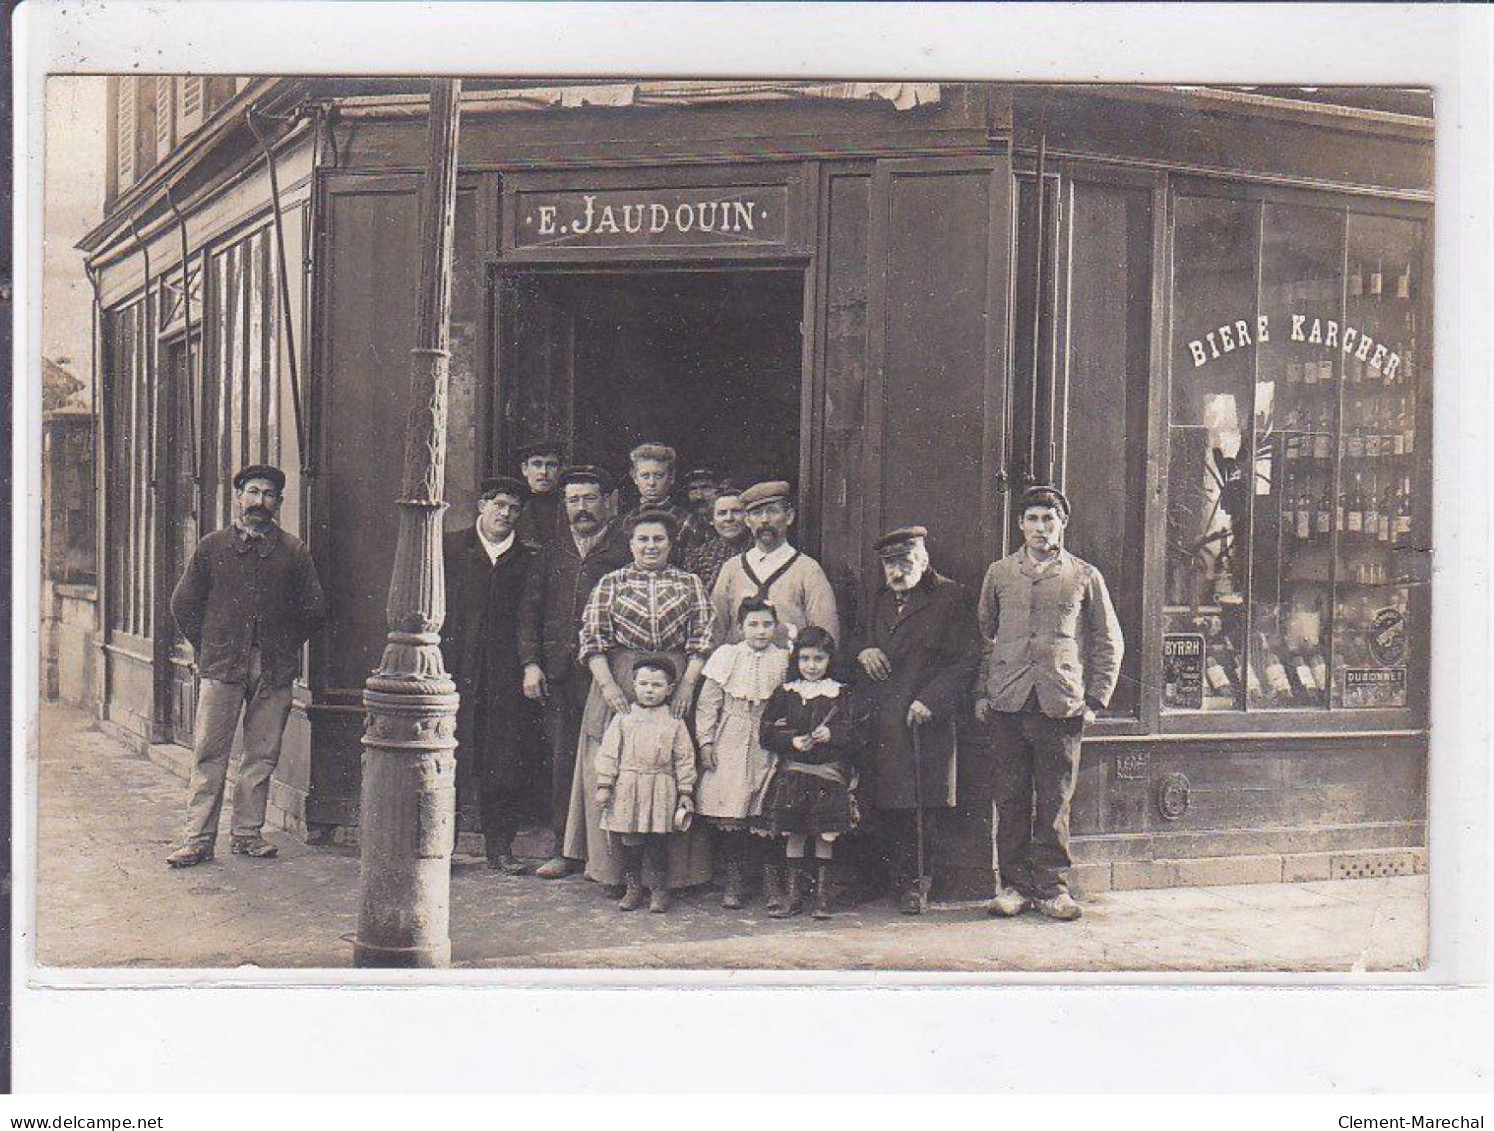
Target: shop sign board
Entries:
(1374, 687)
(666, 217)
(1183, 671)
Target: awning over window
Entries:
(902, 95)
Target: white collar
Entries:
(495, 549)
(763, 564)
(821, 688)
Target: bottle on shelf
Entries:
(1291, 428)
(1322, 438)
(1303, 508)
(1377, 280)
(1403, 283)
(1403, 511)
(1324, 516)
(1354, 519)
(1356, 435)
(1372, 507)
(1356, 281)
(1319, 668)
(1385, 518)
(1306, 680)
(1278, 684)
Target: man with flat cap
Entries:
(544, 515)
(554, 597)
(486, 567)
(1052, 660)
(774, 570)
(247, 602)
(917, 655)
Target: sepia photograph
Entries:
(735, 524)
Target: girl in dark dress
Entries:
(809, 726)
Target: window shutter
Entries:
(125, 128)
(165, 116)
(190, 106)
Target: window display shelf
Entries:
(1296, 466)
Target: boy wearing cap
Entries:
(1052, 660)
(918, 653)
(775, 571)
(486, 567)
(247, 602)
(544, 514)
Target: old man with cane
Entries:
(918, 653)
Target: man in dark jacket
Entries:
(543, 519)
(919, 652)
(486, 566)
(248, 601)
(554, 597)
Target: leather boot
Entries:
(821, 908)
(793, 895)
(633, 897)
(773, 887)
(733, 897)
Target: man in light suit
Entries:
(1052, 660)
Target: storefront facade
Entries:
(1212, 327)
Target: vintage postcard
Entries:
(699, 524)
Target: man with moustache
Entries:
(1051, 665)
(555, 595)
(773, 569)
(544, 514)
(247, 602)
(730, 537)
(918, 654)
(486, 567)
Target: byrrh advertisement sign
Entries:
(652, 218)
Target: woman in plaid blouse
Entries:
(648, 607)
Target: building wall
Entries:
(919, 241)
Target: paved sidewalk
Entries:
(106, 898)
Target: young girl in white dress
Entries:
(738, 679)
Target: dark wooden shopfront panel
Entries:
(365, 377)
(361, 386)
(940, 250)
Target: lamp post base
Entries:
(437, 956)
(407, 824)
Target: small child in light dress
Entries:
(808, 724)
(646, 780)
(739, 678)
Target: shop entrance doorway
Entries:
(707, 361)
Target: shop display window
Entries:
(1294, 530)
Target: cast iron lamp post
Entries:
(407, 823)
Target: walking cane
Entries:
(923, 882)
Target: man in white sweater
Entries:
(773, 569)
